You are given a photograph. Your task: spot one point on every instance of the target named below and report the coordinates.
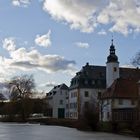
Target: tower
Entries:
(112, 66)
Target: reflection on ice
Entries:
(13, 131)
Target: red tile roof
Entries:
(122, 88)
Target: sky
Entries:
(53, 39)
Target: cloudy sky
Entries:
(52, 39)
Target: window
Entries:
(86, 105)
(49, 112)
(120, 102)
(61, 102)
(108, 115)
(115, 69)
(107, 102)
(73, 94)
(66, 93)
(67, 106)
(132, 102)
(93, 82)
(67, 114)
(75, 114)
(54, 92)
(86, 94)
(73, 105)
(99, 95)
(71, 114)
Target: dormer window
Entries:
(54, 92)
(61, 102)
(86, 94)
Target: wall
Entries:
(111, 75)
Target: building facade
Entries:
(92, 81)
(84, 89)
(119, 101)
(57, 101)
(111, 88)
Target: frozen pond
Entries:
(9, 131)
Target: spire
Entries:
(112, 48)
(112, 41)
(112, 56)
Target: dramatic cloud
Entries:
(5, 70)
(50, 84)
(43, 40)
(86, 15)
(82, 45)
(21, 3)
(9, 44)
(25, 60)
(49, 63)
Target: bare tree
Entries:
(21, 87)
(136, 60)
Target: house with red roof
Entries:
(120, 101)
(111, 82)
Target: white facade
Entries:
(73, 103)
(57, 100)
(124, 103)
(80, 99)
(109, 104)
(112, 72)
(105, 110)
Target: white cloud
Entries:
(24, 60)
(43, 40)
(82, 45)
(102, 32)
(86, 15)
(137, 30)
(21, 60)
(124, 16)
(78, 13)
(128, 66)
(5, 70)
(48, 84)
(9, 44)
(21, 3)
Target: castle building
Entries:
(92, 81)
(110, 89)
(84, 89)
(119, 101)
